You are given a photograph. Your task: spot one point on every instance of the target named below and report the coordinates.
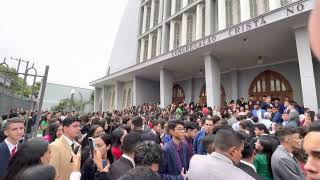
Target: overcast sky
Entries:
(73, 37)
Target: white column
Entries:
(213, 81)
(234, 85)
(105, 98)
(184, 3)
(184, 28)
(221, 15)
(171, 41)
(158, 51)
(199, 17)
(150, 45)
(166, 85)
(209, 19)
(308, 85)
(274, 4)
(160, 16)
(173, 7)
(245, 10)
(142, 50)
(152, 13)
(144, 22)
(260, 7)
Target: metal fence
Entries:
(13, 88)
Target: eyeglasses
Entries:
(180, 129)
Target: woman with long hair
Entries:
(34, 152)
(103, 145)
(54, 132)
(265, 146)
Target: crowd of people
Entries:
(243, 140)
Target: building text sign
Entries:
(290, 10)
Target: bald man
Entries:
(314, 29)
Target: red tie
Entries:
(13, 151)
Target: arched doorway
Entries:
(178, 94)
(203, 95)
(272, 84)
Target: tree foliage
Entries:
(16, 85)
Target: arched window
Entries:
(203, 95)
(232, 12)
(178, 5)
(154, 45)
(258, 7)
(189, 28)
(124, 98)
(285, 2)
(156, 13)
(129, 98)
(272, 84)
(112, 100)
(253, 8)
(177, 35)
(145, 53)
(178, 94)
(148, 18)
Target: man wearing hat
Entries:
(63, 148)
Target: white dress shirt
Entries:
(10, 146)
(130, 159)
(249, 164)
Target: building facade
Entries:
(211, 51)
(56, 92)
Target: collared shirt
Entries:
(70, 142)
(10, 145)
(286, 150)
(249, 164)
(130, 159)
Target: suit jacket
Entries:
(169, 169)
(120, 167)
(284, 166)
(255, 112)
(197, 143)
(4, 159)
(215, 166)
(249, 170)
(153, 137)
(61, 155)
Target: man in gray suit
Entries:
(220, 165)
(284, 165)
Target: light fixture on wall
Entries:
(260, 60)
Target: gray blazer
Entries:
(284, 166)
(294, 115)
(215, 166)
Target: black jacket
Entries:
(120, 167)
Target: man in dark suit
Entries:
(176, 153)
(14, 130)
(154, 133)
(137, 127)
(284, 165)
(126, 162)
(248, 155)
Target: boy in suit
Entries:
(176, 153)
(284, 165)
(14, 130)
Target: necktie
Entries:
(13, 151)
(72, 146)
